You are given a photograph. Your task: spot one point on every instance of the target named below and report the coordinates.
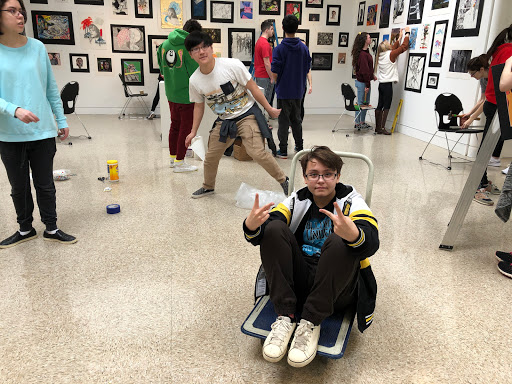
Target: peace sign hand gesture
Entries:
(344, 227)
(258, 215)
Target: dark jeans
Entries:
(182, 117)
(385, 96)
(289, 116)
(489, 112)
(17, 157)
(156, 99)
(319, 286)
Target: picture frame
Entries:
(432, 80)
(314, 3)
(38, 1)
(55, 58)
(120, 7)
(361, 13)
(222, 11)
(143, 9)
(321, 61)
(325, 38)
(333, 15)
(133, 71)
(215, 34)
(415, 70)
(314, 17)
(198, 9)
(246, 10)
(343, 39)
(104, 64)
(415, 12)
(467, 22)
(63, 35)
(293, 8)
(91, 33)
(459, 61)
(154, 42)
(438, 43)
(270, 7)
(89, 2)
(342, 57)
(371, 16)
(79, 62)
(385, 12)
(374, 45)
(399, 12)
(304, 35)
(241, 43)
(128, 38)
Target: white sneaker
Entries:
(171, 164)
(304, 344)
(505, 171)
(276, 343)
(493, 162)
(182, 166)
(151, 116)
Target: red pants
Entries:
(182, 117)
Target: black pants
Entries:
(156, 99)
(17, 157)
(385, 96)
(289, 116)
(489, 112)
(318, 286)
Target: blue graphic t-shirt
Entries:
(317, 229)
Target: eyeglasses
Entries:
(326, 176)
(197, 49)
(472, 73)
(15, 12)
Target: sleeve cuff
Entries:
(359, 241)
(249, 235)
(11, 109)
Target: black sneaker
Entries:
(18, 238)
(297, 149)
(281, 155)
(60, 237)
(505, 268)
(284, 185)
(201, 192)
(504, 256)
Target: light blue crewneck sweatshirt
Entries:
(27, 81)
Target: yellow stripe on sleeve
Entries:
(365, 263)
(355, 216)
(284, 210)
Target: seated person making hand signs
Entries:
(312, 253)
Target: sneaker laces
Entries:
(303, 335)
(280, 329)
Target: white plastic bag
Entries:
(246, 195)
(61, 174)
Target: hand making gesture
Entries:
(344, 227)
(258, 215)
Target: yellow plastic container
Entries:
(113, 170)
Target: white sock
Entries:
(51, 232)
(24, 233)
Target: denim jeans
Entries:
(361, 117)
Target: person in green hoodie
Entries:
(177, 66)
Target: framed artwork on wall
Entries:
(324, 38)
(415, 14)
(241, 44)
(415, 69)
(361, 12)
(52, 27)
(385, 10)
(293, 8)
(79, 62)
(171, 13)
(222, 11)
(303, 34)
(314, 17)
(215, 34)
(343, 39)
(459, 60)
(91, 33)
(88, 2)
(128, 38)
(413, 38)
(467, 18)
(438, 43)
(395, 34)
(54, 58)
(154, 42)
(133, 71)
(374, 45)
(246, 10)
(333, 15)
(198, 8)
(314, 3)
(270, 7)
(120, 7)
(144, 9)
(39, 1)
(321, 61)
(342, 57)
(440, 7)
(432, 80)
(371, 17)
(398, 11)
(104, 64)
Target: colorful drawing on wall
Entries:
(171, 12)
(342, 58)
(314, 3)
(424, 35)
(79, 62)
(215, 34)
(53, 27)
(104, 64)
(395, 34)
(324, 38)
(459, 60)
(91, 31)
(241, 44)
(133, 71)
(314, 17)
(467, 18)
(54, 58)
(438, 43)
(361, 12)
(371, 17)
(398, 11)
(415, 14)
(385, 37)
(120, 7)
(385, 11)
(246, 10)
(432, 80)
(198, 9)
(270, 7)
(321, 61)
(144, 9)
(222, 11)
(154, 42)
(415, 69)
(343, 39)
(293, 8)
(128, 38)
(412, 38)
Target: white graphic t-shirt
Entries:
(223, 88)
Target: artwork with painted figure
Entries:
(270, 7)
(412, 38)
(395, 33)
(246, 9)
(199, 9)
(424, 36)
(467, 18)
(399, 12)
(120, 7)
(128, 38)
(54, 58)
(143, 7)
(415, 68)
(438, 43)
(171, 13)
(92, 31)
(294, 8)
(371, 18)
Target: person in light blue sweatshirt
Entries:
(29, 99)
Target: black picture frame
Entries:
(270, 7)
(314, 17)
(248, 32)
(73, 62)
(435, 41)
(38, 1)
(412, 82)
(457, 31)
(328, 19)
(153, 60)
(321, 61)
(198, 9)
(90, 2)
(292, 3)
(303, 33)
(129, 78)
(385, 13)
(325, 38)
(430, 84)
(65, 18)
(314, 3)
(374, 45)
(100, 62)
(343, 42)
(115, 29)
(215, 34)
(415, 11)
(143, 15)
(214, 9)
(361, 12)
